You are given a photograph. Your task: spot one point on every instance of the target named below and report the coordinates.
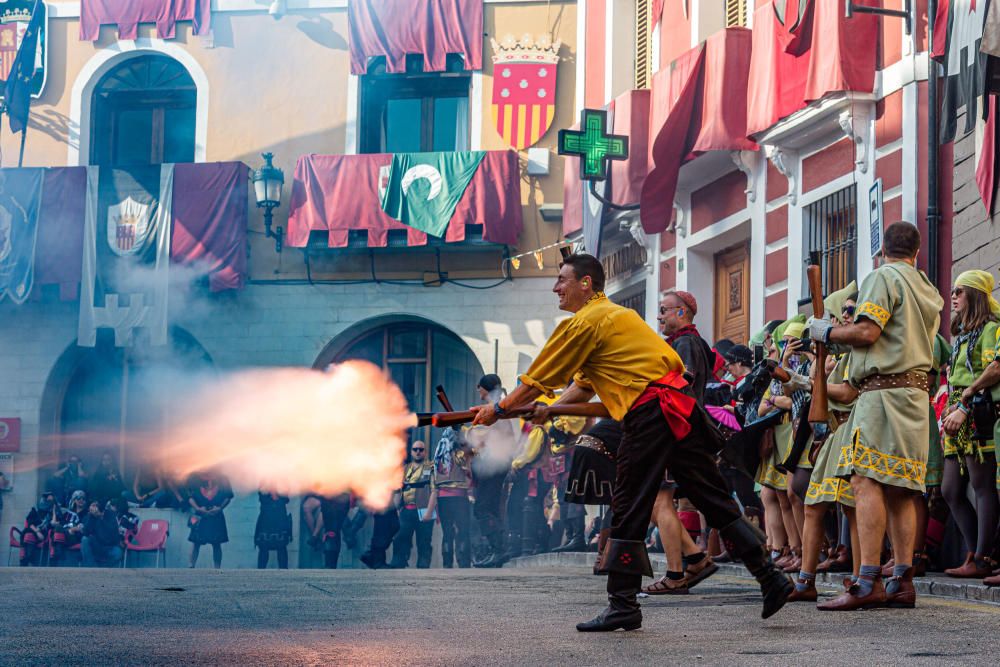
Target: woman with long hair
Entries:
(970, 461)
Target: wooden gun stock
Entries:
(818, 410)
(443, 419)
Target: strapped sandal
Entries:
(665, 586)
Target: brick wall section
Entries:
(976, 236)
(280, 325)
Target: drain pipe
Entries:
(933, 153)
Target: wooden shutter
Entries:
(736, 13)
(643, 44)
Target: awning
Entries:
(819, 53)
(696, 106)
(431, 28)
(630, 117)
(341, 193)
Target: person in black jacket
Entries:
(687, 564)
(101, 538)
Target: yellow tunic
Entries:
(607, 348)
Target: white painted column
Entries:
(619, 48)
(911, 161)
(789, 163)
(682, 203)
(859, 126)
(757, 203)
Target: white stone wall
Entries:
(266, 325)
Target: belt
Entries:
(590, 442)
(915, 379)
(675, 405)
(410, 506)
(841, 416)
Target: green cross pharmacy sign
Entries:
(593, 145)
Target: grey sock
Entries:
(805, 579)
(900, 569)
(866, 581)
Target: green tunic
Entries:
(959, 377)
(824, 484)
(889, 429)
(935, 457)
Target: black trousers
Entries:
(456, 540)
(384, 527)
(410, 525)
(263, 555)
(334, 512)
(647, 448)
(489, 498)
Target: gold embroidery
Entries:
(876, 312)
(773, 478)
(866, 458)
(831, 489)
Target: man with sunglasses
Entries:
(412, 499)
(609, 351)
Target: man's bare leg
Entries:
(773, 519)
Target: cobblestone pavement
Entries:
(447, 617)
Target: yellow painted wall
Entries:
(281, 86)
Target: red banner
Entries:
(431, 28)
(801, 56)
(342, 193)
(694, 111)
(10, 434)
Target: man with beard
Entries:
(608, 351)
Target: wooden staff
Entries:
(819, 411)
(443, 419)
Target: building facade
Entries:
(302, 80)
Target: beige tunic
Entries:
(889, 429)
(824, 484)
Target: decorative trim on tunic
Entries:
(876, 312)
(866, 458)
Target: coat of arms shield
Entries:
(524, 88)
(129, 224)
(14, 18)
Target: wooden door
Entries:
(732, 294)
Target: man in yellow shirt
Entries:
(608, 350)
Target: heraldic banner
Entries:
(20, 199)
(424, 188)
(524, 88)
(126, 253)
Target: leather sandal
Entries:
(667, 586)
(795, 564)
(899, 591)
(699, 572)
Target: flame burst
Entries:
(295, 431)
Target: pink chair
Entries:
(152, 536)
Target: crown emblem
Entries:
(539, 49)
(18, 14)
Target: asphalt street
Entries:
(447, 617)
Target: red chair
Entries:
(152, 536)
(26, 537)
(15, 543)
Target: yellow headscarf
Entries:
(782, 329)
(982, 281)
(834, 302)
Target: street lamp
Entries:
(267, 182)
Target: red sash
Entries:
(676, 406)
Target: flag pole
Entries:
(20, 156)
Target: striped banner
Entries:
(524, 95)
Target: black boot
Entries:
(513, 545)
(747, 542)
(447, 555)
(576, 542)
(374, 559)
(529, 532)
(626, 562)
(495, 557)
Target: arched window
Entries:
(143, 113)
(419, 356)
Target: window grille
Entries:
(832, 230)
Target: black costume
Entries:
(273, 530)
(334, 510)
